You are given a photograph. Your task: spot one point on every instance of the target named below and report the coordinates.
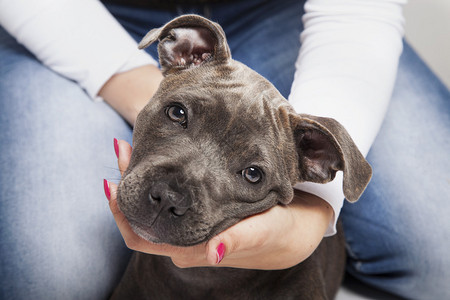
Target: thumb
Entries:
(247, 242)
(219, 247)
(123, 152)
(235, 245)
(131, 239)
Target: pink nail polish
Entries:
(220, 252)
(106, 187)
(116, 147)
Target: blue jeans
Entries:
(58, 238)
(398, 233)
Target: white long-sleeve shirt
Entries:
(346, 67)
(346, 70)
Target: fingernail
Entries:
(116, 147)
(220, 252)
(106, 187)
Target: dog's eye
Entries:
(177, 114)
(252, 175)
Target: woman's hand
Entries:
(129, 92)
(278, 238)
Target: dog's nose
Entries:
(163, 196)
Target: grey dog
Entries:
(218, 143)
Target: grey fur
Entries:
(184, 183)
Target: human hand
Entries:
(278, 238)
(129, 92)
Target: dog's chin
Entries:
(148, 234)
(144, 232)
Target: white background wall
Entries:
(428, 32)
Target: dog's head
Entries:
(218, 143)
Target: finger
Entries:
(216, 249)
(188, 257)
(123, 152)
(245, 244)
(132, 240)
(233, 246)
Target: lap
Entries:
(55, 143)
(397, 233)
(59, 239)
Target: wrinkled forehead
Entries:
(232, 112)
(230, 104)
(231, 86)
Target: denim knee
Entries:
(397, 234)
(59, 240)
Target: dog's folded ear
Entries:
(188, 41)
(324, 147)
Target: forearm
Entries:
(78, 39)
(129, 92)
(346, 70)
(348, 63)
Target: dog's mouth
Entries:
(149, 234)
(144, 231)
